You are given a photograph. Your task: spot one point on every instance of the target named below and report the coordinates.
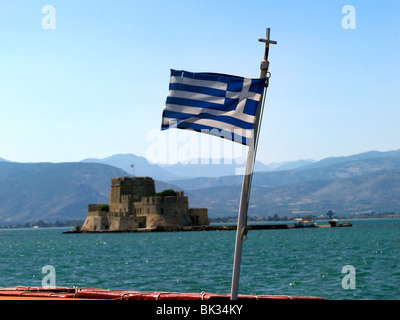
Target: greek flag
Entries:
(217, 104)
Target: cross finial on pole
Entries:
(267, 42)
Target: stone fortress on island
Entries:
(135, 206)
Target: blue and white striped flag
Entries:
(216, 104)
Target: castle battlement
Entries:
(165, 199)
(134, 205)
(93, 207)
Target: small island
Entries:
(135, 206)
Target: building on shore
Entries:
(134, 205)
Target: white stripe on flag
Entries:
(200, 83)
(193, 110)
(196, 96)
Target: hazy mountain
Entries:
(195, 168)
(210, 168)
(142, 167)
(347, 185)
(376, 191)
(361, 156)
(290, 165)
(314, 172)
(51, 191)
(214, 168)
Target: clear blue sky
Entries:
(96, 84)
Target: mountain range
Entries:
(354, 184)
(193, 168)
(359, 184)
(54, 191)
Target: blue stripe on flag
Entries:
(200, 104)
(197, 89)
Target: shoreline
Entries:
(188, 229)
(250, 221)
(207, 228)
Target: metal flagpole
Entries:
(241, 231)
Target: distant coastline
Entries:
(213, 221)
(276, 218)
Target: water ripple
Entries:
(288, 262)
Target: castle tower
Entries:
(137, 187)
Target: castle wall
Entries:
(163, 211)
(199, 216)
(124, 206)
(131, 207)
(127, 223)
(93, 207)
(96, 221)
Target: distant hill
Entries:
(142, 167)
(350, 185)
(168, 172)
(54, 191)
(361, 156)
(49, 191)
(195, 168)
(332, 170)
(211, 168)
(289, 165)
(377, 191)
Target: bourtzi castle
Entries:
(134, 206)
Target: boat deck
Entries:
(68, 293)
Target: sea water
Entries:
(359, 262)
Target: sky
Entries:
(89, 79)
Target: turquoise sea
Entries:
(283, 262)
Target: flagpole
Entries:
(241, 231)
